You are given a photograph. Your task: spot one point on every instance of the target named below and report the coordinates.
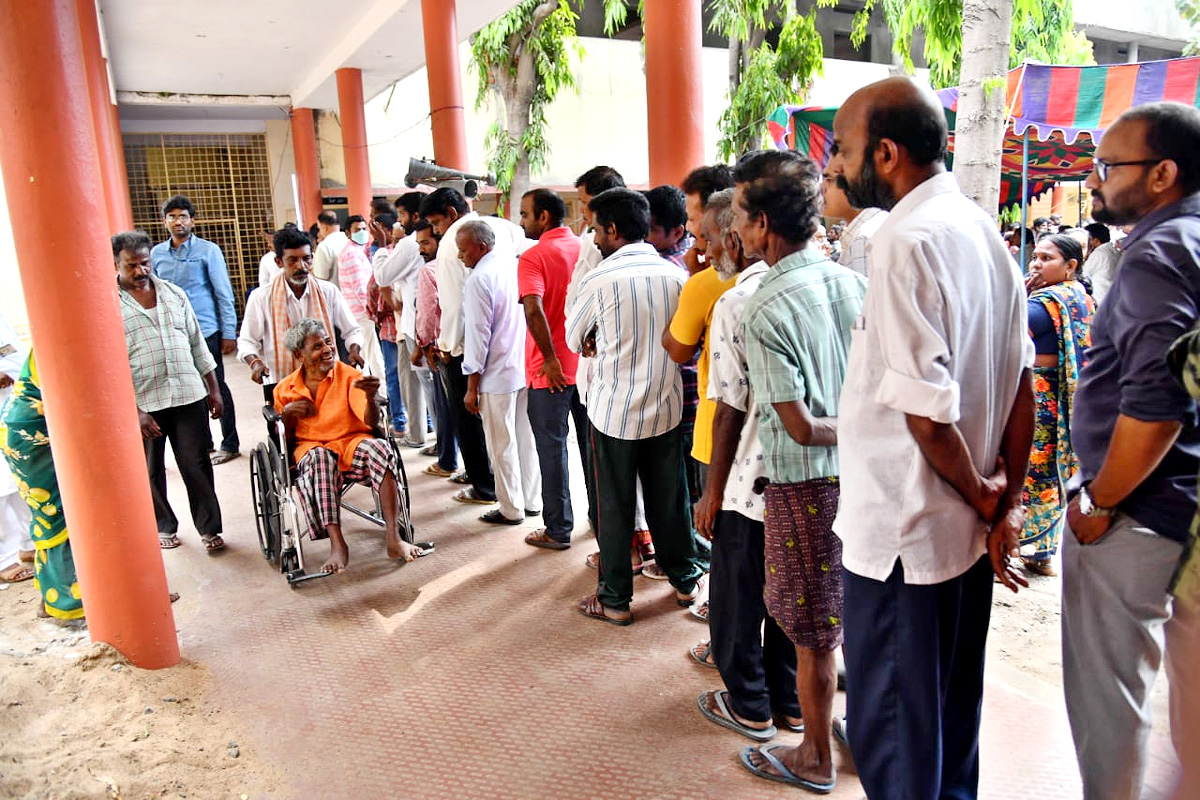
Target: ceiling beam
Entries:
(173, 99)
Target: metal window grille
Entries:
(226, 176)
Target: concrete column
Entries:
(445, 84)
(1058, 200)
(112, 154)
(354, 140)
(674, 97)
(48, 154)
(1131, 52)
(308, 169)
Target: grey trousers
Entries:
(1116, 624)
(414, 384)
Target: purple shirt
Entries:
(1154, 300)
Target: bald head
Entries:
(888, 137)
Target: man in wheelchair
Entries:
(332, 421)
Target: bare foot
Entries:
(710, 700)
(405, 551)
(794, 759)
(339, 557)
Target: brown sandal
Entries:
(16, 573)
(591, 606)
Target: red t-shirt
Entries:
(545, 271)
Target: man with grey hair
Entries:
(175, 383)
(331, 416)
(757, 664)
(494, 363)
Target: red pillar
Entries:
(445, 84)
(1058, 200)
(674, 102)
(308, 169)
(112, 157)
(48, 152)
(354, 140)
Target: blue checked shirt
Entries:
(198, 267)
(797, 328)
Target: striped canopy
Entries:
(1064, 109)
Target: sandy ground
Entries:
(76, 721)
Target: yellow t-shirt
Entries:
(688, 326)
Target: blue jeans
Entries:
(393, 384)
(549, 413)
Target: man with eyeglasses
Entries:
(198, 267)
(1135, 434)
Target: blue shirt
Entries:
(198, 267)
(1154, 299)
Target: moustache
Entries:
(841, 182)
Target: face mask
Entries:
(360, 236)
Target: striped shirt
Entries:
(627, 300)
(354, 273)
(855, 237)
(167, 351)
(797, 338)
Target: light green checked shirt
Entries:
(797, 328)
(167, 352)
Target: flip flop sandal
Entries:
(654, 572)
(724, 717)
(423, 549)
(781, 722)
(213, 544)
(461, 478)
(431, 450)
(173, 596)
(223, 457)
(705, 655)
(839, 730)
(469, 496)
(168, 541)
(699, 611)
(494, 517)
(785, 775)
(686, 600)
(591, 606)
(438, 472)
(17, 573)
(539, 538)
(593, 561)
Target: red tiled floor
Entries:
(469, 673)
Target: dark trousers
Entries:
(468, 428)
(758, 670)
(447, 445)
(914, 682)
(186, 428)
(583, 437)
(229, 434)
(549, 415)
(658, 461)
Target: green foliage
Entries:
(770, 76)
(1042, 30)
(616, 14)
(496, 53)
(1190, 11)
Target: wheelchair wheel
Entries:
(266, 502)
(403, 518)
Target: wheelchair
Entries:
(278, 515)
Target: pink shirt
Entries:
(354, 273)
(429, 313)
(545, 271)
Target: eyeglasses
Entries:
(186, 217)
(1102, 167)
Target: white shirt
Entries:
(267, 268)
(399, 270)
(451, 274)
(1101, 269)
(12, 360)
(635, 391)
(257, 338)
(325, 260)
(494, 339)
(729, 383)
(589, 257)
(943, 335)
(855, 236)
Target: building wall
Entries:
(12, 300)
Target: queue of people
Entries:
(816, 454)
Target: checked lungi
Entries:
(319, 485)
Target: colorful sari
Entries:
(23, 437)
(1052, 462)
(1184, 360)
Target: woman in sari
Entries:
(27, 449)
(1060, 320)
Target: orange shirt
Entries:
(341, 419)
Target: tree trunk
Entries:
(517, 112)
(735, 64)
(979, 130)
